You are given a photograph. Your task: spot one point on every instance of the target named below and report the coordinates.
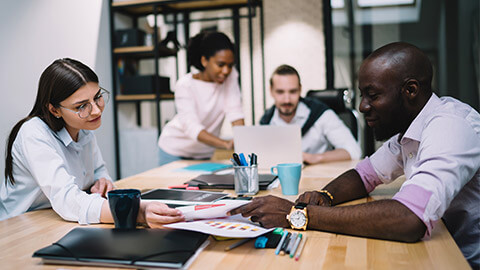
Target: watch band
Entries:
(300, 205)
(327, 195)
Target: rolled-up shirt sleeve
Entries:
(49, 170)
(444, 164)
(187, 112)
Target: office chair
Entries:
(339, 100)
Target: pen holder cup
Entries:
(246, 180)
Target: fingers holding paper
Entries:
(269, 211)
(156, 214)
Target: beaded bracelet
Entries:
(327, 195)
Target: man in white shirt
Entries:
(325, 138)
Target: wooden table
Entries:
(22, 235)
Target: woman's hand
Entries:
(229, 145)
(155, 214)
(102, 186)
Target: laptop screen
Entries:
(272, 144)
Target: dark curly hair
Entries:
(206, 44)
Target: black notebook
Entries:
(225, 181)
(137, 248)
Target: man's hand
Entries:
(313, 197)
(269, 211)
(102, 186)
(155, 214)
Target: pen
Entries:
(234, 162)
(285, 244)
(237, 244)
(291, 243)
(297, 256)
(295, 246)
(279, 246)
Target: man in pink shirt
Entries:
(434, 142)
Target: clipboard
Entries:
(136, 248)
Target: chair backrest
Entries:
(336, 100)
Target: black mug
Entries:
(124, 205)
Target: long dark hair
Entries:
(59, 81)
(206, 44)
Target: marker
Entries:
(291, 243)
(253, 159)
(285, 244)
(279, 246)
(237, 244)
(299, 252)
(295, 246)
(243, 161)
(237, 159)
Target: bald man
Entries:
(434, 142)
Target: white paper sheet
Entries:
(225, 227)
(218, 209)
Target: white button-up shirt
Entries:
(439, 155)
(328, 132)
(52, 170)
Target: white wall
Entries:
(34, 34)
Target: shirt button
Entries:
(410, 155)
(84, 173)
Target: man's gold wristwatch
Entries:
(298, 217)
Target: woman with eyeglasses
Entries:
(203, 100)
(52, 156)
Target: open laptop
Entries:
(272, 144)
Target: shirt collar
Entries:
(84, 137)
(414, 131)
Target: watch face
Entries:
(298, 219)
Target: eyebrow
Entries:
(86, 100)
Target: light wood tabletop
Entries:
(21, 236)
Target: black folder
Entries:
(225, 181)
(135, 248)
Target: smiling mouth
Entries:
(370, 122)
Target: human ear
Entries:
(411, 88)
(204, 61)
(54, 111)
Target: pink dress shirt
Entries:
(439, 155)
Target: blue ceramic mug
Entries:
(124, 205)
(289, 175)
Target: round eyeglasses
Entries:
(84, 110)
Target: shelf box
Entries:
(144, 84)
(129, 37)
(147, 97)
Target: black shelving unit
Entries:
(140, 8)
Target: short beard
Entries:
(384, 133)
(398, 124)
(288, 113)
